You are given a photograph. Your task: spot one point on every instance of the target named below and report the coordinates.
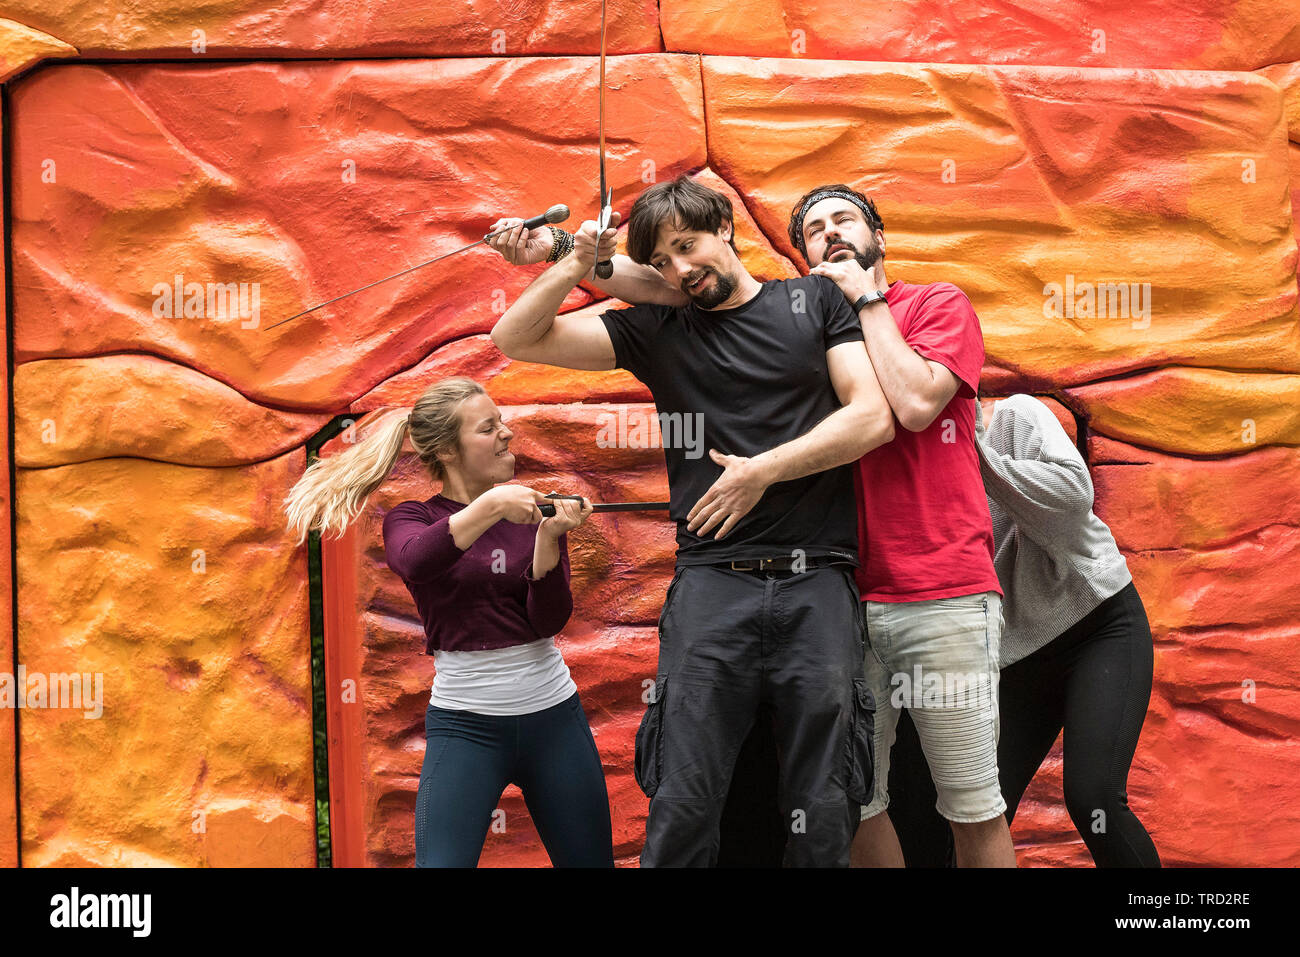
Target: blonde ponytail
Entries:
(333, 491)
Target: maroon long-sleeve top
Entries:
(480, 598)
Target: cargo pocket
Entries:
(861, 756)
(648, 761)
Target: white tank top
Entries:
(519, 679)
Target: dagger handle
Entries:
(538, 220)
(549, 510)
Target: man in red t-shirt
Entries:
(931, 600)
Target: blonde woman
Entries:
(490, 579)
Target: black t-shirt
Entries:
(753, 377)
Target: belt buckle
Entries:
(749, 566)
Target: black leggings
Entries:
(1093, 680)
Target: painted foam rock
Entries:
(1155, 501)
(74, 410)
(8, 725)
(267, 28)
(1247, 583)
(206, 687)
(754, 249)
(520, 383)
(1254, 763)
(507, 382)
(1081, 253)
(1197, 707)
(1194, 411)
(304, 181)
(1238, 36)
(21, 46)
(1287, 78)
(996, 381)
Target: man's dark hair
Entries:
(684, 203)
(797, 214)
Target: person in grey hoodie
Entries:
(1076, 644)
(1076, 652)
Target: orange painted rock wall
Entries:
(1120, 203)
(8, 726)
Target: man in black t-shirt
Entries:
(763, 610)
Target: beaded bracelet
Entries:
(561, 245)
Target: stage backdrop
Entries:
(1114, 185)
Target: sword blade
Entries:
(395, 275)
(549, 510)
(604, 269)
(630, 507)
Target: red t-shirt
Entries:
(924, 530)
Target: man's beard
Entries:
(715, 295)
(866, 258)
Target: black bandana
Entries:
(817, 197)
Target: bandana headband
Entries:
(817, 197)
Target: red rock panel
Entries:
(305, 181)
(8, 725)
(1159, 502)
(1211, 545)
(1022, 186)
(1214, 35)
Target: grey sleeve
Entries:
(1032, 469)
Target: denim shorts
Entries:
(939, 659)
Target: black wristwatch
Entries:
(874, 296)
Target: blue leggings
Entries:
(469, 759)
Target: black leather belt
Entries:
(783, 564)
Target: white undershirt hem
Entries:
(519, 679)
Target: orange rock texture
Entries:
(1120, 204)
(178, 590)
(8, 725)
(1241, 35)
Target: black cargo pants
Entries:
(730, 641)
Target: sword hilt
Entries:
(604, 269)
(549, 510)
(556, 214)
